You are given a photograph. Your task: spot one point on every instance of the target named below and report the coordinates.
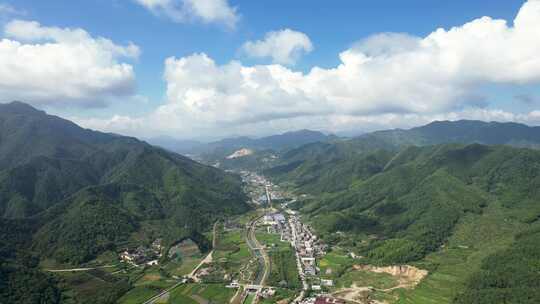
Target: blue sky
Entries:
(331, 27)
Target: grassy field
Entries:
(284, 272)
(187, 256)
(249, 298)
(366, 278)
(138, 295)
(334, 263)
(91, 285)
(184, 267)
(232, 242)
(153, 277)
(247, 217)
(281, 294)
(190, 293)
(181, 295)
(146, 284)
(271, 240)
(232, 252)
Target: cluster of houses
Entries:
(322, 299)
(143, 255)
(259, 189)
(307, 245)
(255, 187)
(267, 293)
(276, 223)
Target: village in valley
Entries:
(280, 220)
(268, 255)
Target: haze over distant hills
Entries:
(228, 145)
(463, 131)
(315, 165)
(460, 131)
(185, 146)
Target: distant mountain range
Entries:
(175, 145)
(314, 166)
(229, 145)
(462, 131)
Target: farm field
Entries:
(233, 256)
(201, 293)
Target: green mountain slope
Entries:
(71, 194)
(419, 206)
(464, 131)
(314, 167)
(329, 167)
(428, 194)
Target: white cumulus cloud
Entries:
(206, 11)
(283, 47)
(50, 65)
(386, 77)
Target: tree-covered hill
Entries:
(407, 196)
(70, 194)
(45, 159)
(412, 205)
(464, 131)
(329, 167)
(333, 166)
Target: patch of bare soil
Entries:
(407, 276)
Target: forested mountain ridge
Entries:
(424, 201)
(332, 166)
(45, 159)
(276, 142)
(26, 133)
(459, 199)
(70, 194)
(463, 131)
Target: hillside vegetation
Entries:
(417, 202)
(71, 194)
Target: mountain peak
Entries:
(19, 107)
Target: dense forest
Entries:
(399, 204)
(70, 194)
(509, 276)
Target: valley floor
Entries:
(270, 256)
